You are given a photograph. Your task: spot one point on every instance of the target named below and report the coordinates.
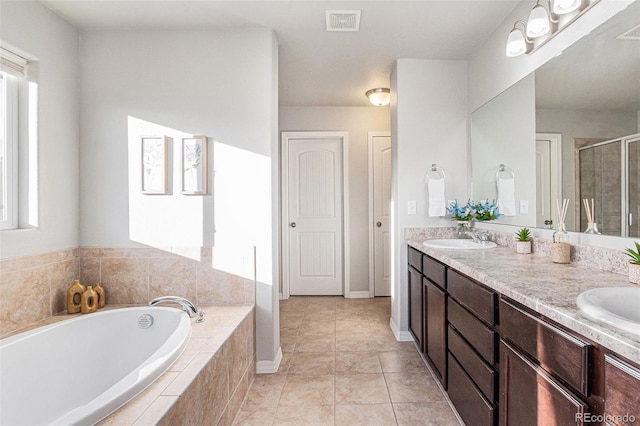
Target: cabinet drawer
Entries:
(482, 374)
(621, 391)
(557, 351)
(481, 337)
(472, 295)
(435, 271)
(415, 258)
(468, 400)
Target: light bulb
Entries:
(516, 44)
(538, 23)
(560, 7)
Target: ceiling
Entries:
(316, 67)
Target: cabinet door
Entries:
(621, 392)
(415, 307)
(531, 396)
(436, 329)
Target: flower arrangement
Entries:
(478, 210)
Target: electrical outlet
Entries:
(412, 207)
(524, 206)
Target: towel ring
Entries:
(504, 169)
(434, 168)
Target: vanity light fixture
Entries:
(380, 96)
(545, 21)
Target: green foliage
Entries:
(524, 234)
(634, 255)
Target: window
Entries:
(12, 70)
(8, 150)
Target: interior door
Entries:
(381, 158)
(314, 214)
(543, 184)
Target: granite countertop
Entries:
(546, 287)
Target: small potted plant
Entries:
(523, 244)
(634, 264)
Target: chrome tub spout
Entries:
(187, 306)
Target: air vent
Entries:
(632, 34)
(343, 20)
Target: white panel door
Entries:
(315, 216)
(382, 215)
(543, 183)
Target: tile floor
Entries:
(342, 366)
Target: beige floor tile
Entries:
(360, 326)
(285, 363)
(362, 342)
(319, 415)
(255, 416)
(425, 413)
(313, 327)
(357, 363)
(308, 390)
(265, 391)
(291, 326)
(361, 389)
(288, 343)
(369, 415)
(412, 387)
(400, 361)
(312, 364)
(316, 344)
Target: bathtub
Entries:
(78, 371)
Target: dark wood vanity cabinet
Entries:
(471, 349)
(416, 317)
(621, 392)
(435, 317)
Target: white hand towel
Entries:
(437, 200)
(506, 197)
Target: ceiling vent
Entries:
(632, 34)
(343, 20)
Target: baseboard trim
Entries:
(269, 367)
(401, 336)
(359, 294)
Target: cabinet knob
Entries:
(292, 224)
(378, 224)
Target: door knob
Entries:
(292, 224)
(378, 224)
(548, 222)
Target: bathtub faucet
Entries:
(189, 307)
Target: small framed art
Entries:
(194, 165)
(154, 164)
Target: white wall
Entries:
(428, 125)
(215, 83)
(582, 124)
(357, 121)
(511, 143)
(36, 30)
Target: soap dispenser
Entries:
(74, 297)
(101, 295)
(89, 301)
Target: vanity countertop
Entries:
(546, 287)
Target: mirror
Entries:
(567, 131)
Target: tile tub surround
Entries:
(548, 288)
(604, 259)
(33, 288)
(208, 382)
(128, 275)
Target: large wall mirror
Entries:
(569, 130)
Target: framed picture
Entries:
(194, 165)
(154, 164)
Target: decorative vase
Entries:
(523, 247)
(634, 273)
(592, 228)
(462, 229)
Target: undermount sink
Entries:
(458, 244)
(616, 306)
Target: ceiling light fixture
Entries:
(545, 21)
(380, 96)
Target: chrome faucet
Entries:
(187, 306)
(473, 235)
(478, 237)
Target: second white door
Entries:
(380, 144)
(314, 214)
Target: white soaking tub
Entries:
(78, 371)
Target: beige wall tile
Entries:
(172, 277)
(217, 287)
(125, 280)
(62, 276)
(26, 298)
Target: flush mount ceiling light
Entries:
(380, 96)
(545, 21)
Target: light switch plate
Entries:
(412, 207)
(524, 206)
